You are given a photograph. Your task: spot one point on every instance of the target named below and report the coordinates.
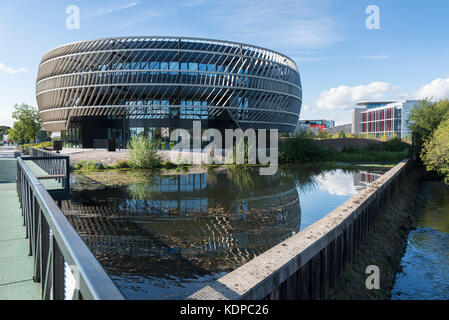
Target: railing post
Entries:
(67, 171)
(45, 250)
(58, 272)
(36, 239)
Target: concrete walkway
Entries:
(16, 266)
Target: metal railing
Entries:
(53, 167)
(36, 152)
(63, 264)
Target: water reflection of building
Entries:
(186, 224)
(364, 178)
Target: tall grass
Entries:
(363, 155)
(143, 153)
(88, 165)
(303, 149)
(300, 149)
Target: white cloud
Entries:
(337, 183)
(8, 70)
(437, 89)
(345, 97)
(306, 107)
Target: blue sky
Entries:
(339, 59)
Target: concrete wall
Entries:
(356, 127)
(307, 265)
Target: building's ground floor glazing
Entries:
(92, 132)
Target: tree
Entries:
(342, 134)
(4, 130)
(423, 120)
(27, 126)
(435, 153)
(323, 134)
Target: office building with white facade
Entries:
(382, 118)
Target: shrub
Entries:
(373, 147)
(121, 164)
(143, 153)
(395, 144)
(366, 156)
(25, 148)
(435, 153)
(88, 165)
(424, 119)
(302, 149)
(323, 134)
(299, 149)
(349, 150)
(169, 165)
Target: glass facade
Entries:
(381, 122)
(166, 82)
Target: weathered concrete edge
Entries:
(260, 276)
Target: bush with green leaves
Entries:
(169, 165)
(395, 144)
(435, 152)
(122, 164)
(299, 149)
(88, 165)
(25, 148)
(323, 134)
(143, 153)
(302, 149)
(365, 155)
(424, 119)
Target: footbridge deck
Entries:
(16, 265)
(41, 254)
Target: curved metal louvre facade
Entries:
(169, 77)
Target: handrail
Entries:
(56, 246)
(54, 165)
(36, 152)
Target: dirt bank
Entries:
(384, 246)
(339, 144)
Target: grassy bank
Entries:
(300, 150)
(303, 149)
(93, 165)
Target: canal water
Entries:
(425, 265)
(167, 236)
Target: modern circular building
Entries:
(119, 87)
